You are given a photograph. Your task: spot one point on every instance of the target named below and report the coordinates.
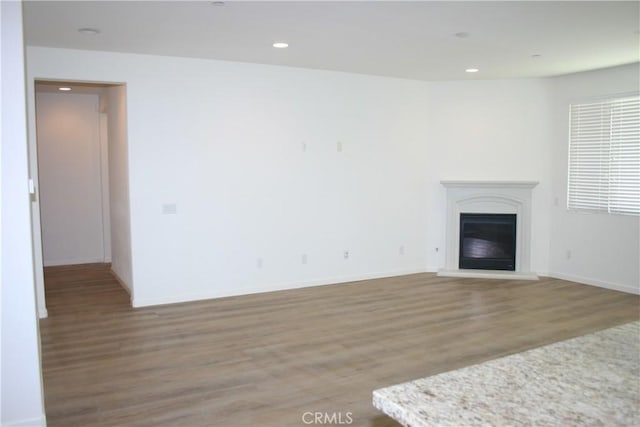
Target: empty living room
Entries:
(294, 213)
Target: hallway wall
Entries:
(70, 176)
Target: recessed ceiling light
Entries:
(471, 70)
(217, 3)
(64, 89)
(89, 31)
(536, 55)
(281, 45)
(462, 35)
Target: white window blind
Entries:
(604, 156)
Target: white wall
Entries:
(116, 107)
(21, 388)
(247, 154)
(603, 249)
(36, 229)
(104, 178)
(70, 177)
(489, 130)
(224, 143)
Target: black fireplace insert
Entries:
(487, 241)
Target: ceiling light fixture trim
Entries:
(89, 31)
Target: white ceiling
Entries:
(412, 39)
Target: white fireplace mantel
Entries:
(511, 197)
(489, 184)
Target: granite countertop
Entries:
(593, 380)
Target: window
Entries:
(604, 156)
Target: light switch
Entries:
(169, 209)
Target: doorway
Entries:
(77, 156)
(73, 176)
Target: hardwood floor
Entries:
(267, 359)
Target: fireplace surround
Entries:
(489, 197)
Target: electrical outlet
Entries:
(339, 146)
(346, 254)
(437, 249)
(304, 258)
(259, 263)
(401, 250)
(568, 254)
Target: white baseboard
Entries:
(172, 299)
(598, 283)
(74, 261)
(31, 422)
(122, 282)
(145, 302)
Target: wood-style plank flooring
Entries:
(267, 359)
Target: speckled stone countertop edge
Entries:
(411, 402)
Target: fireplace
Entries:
(488, 233)
(487, 241)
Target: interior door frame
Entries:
(36, 219)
